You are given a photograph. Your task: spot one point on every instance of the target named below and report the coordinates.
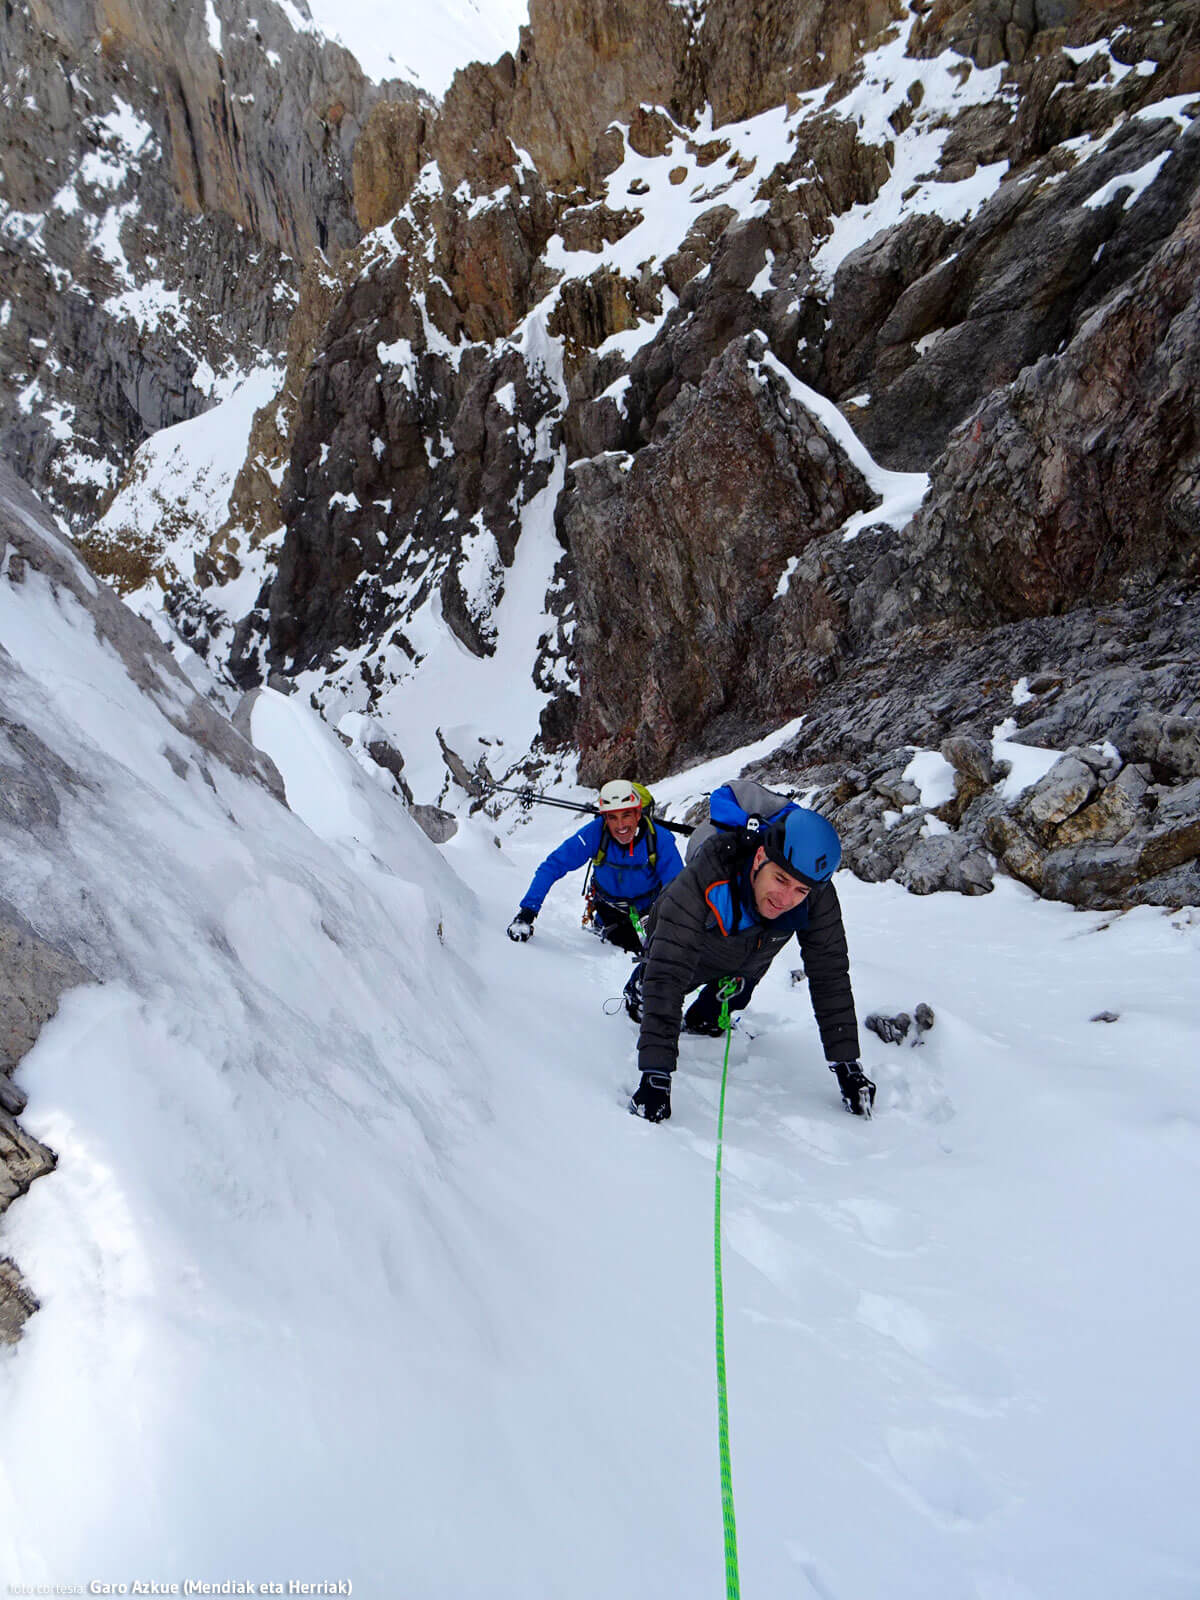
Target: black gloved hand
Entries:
(521, 926)
(652, 1097)
(858, 1092)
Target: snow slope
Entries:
(423, 44)
(355, 1268)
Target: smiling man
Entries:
(631, 863)
(728, 915)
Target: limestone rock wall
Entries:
(416, 433)
(617, 260)
(583, 66)
(678, 556)
(1082, 477)
(1113, 821)
(164, 178)
(953, 324)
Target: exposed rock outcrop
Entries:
(973, 227)
(165, 171)
(1009, 289)
(1112, 821)
(582, 67)
(792, 45)
(369, 500)
(678, 556)
(33, 977)
(1083, 476)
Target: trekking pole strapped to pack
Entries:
(531, 797)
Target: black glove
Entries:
(858, 1092)
(652, 1097)
(521, 926)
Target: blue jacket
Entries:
(622, 875)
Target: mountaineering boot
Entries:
(703, 1016)
(858, 1092)
(613, 925)
(652, 1097)
(632, 993)
(521, 926)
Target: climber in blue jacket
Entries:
(632, 862)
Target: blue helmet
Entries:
(805, 844)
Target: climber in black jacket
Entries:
(728, 915)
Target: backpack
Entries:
(645, 797)
(742, 806)
(647, 800)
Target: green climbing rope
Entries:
(725, 994)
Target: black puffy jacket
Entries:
(689, 946)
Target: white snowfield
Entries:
(354, 1267)
(424, 44)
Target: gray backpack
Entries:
(742, 805)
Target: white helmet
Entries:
(619, 795)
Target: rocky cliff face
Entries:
(167, 171)
(1081, 479)
(687, 630)
(672, 318)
